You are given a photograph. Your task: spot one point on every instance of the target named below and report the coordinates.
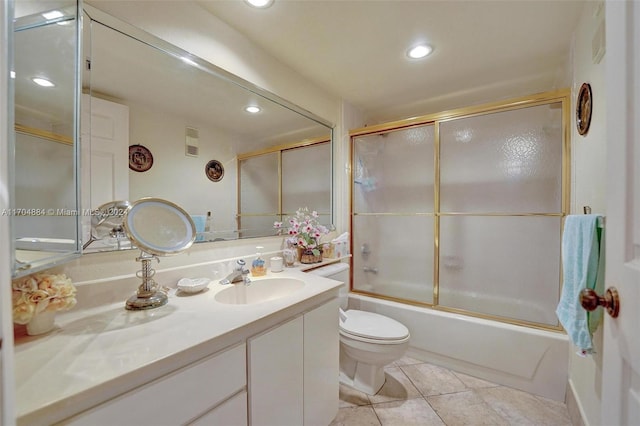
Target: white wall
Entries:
(350, 117)
(588, 189)
(164, 134)
(192, 28)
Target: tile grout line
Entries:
(423, 396)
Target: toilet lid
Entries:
(373, 326)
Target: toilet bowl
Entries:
(368, 341)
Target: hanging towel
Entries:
(594, 318)
(580, 258)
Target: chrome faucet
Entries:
(239, 275)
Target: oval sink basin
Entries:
(259, 291)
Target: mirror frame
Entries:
(145, 245)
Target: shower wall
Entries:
(465, 212)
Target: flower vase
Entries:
(307, 256)
(41, 323)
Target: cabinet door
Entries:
(276, 375)
(321, 364)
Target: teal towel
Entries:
(200, 221)
(595, 317)
(580, 259)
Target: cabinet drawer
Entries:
(176, 398)
(230, 413)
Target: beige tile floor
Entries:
(417, 393)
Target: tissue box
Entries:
(335, 250)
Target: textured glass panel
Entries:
(504, 266)
(306, 178)
(503, 162)
(393, 256)
(393, 172)
(259, 183)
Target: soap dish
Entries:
(193, 285)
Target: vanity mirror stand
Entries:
(149, 294)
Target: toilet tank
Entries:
(338, 272)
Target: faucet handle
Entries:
(240, 265)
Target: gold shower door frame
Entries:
(559, 96)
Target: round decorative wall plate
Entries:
(214, 170)
(583, 109)
(140, 158)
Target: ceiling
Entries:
(483, 50)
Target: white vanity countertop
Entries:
(96, 354)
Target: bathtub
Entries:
(524, 358)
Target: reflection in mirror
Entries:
(159, 228)
(106, 224)
(44, 199)
(276, 183)
(181, 113)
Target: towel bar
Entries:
(587, 210)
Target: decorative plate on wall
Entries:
(140, 158)
(583, 109)
(214, 170)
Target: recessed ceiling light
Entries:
(262, 4)
(252, 109)
(42, 82)
(54, 14)
(419, 51)
(12, 74)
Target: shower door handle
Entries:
(590, 300)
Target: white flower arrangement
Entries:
(304, 230)
(39, 293)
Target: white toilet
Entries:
(368, 341)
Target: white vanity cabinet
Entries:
(198, 389)
(283, 371)
(293, 370)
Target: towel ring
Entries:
(590, 300)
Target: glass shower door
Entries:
(501, 192)
(393, 214)
(463, 210)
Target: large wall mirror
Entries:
(160, 122)
(44, 191)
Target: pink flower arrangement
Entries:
(304, 230)
(39, 293)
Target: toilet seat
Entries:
(373, 328)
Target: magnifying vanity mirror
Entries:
(158, 228)
(181, 114)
